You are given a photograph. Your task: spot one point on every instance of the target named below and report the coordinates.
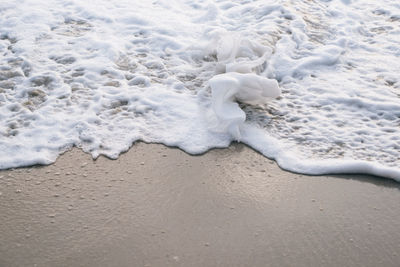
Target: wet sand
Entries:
(158, 206)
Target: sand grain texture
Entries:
(158, 206)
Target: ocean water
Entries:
(313, 84)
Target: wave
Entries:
(312, 85)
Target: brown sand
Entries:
(157, 206)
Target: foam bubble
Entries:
(247, 88)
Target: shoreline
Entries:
(363, 175)
(159, 206)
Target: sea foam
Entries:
(247, 88)
(199, 75)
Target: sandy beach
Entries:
(158, 206)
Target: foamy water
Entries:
(103, 74)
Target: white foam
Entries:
(288, 160)
(247, 88)
(101, 75)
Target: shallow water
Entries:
(104, 74)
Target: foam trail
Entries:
(246, 67)
(240, 82)
(237, 54)
(248, 88)
(287, 159)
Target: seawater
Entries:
(101, 75)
